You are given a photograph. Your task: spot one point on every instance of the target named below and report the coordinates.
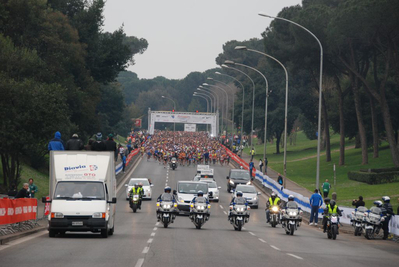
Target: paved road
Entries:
(140, 241)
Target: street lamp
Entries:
(211, 97)
(286, 101)
(203, 89)
(320, 91)
(232, 117)
(242, 86)
(253, 100)
(242, 120)
(227, 99)
(207, 103)
(174, 108)
(267, 96)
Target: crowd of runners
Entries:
(189, 148)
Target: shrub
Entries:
(374, 177)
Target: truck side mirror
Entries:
(174, 192)
(44, 200)
(113, 201)
(227, 177)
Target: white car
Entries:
(249, 193)
(146, 187)
(212, 187)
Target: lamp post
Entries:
(242, 86)
(267, 96)
(211, 97)
(174, 108)
(286, 101)
(207, 103)
(320, 91)
(232, 120)
(203, 89)
(227, 99)
(242, 119)
(253, 100)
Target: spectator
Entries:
(110, 145)
(32, 188)
(315, 203)
(121, 151)
(24, 192)
(326, 188)
(74, 143)
(123, 163)
(266, 162)
(280, 179)
(251, 167)
(252, 152)
(358, 202)
(98, 145)
(260, 165)
(88, 146)
(56, 143)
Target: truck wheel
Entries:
(104, 232)
(51, 233)
(111, 231)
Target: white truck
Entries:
(82, 192)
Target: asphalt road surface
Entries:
(140, 241)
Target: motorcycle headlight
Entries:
(158, 204)
(292, 213)
(175, 205)
(166, 206)
(249, 183)
(275, 209)
(192, 205)
(209, 206)
(231, 182)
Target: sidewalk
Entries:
(289, 184)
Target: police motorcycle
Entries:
(373, 220)
(358, 218)
(135, 199)
(291, 216)
(199, 210)
(173, 163)
(239, 212)
(166, 208)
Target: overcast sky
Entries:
(187, 35)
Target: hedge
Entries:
(394, 169)
(374, 178)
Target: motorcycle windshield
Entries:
(166, 197)
(240, 201)
(292, 205)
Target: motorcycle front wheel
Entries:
(292, 229)
(368, 234)
(134, 207)
(334, 231)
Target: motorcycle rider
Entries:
(274, 200)
(166, 196)
(238, 199)
(201, 199)
(387, 211)
(136, 190)
(141, 195)
(330, 209)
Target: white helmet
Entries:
(386, 198)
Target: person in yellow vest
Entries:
(136, 190)
(274, 200)
(252, 152)
(330, 209)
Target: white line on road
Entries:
(157, 224)
(139, 263)
(221, 206)
(152, 234)
(21, 240)
(150, 240)
(145, 250)
(251, 233)
(276, 248)
(155, 228)
(261, 240)
(225, 212)
(295, 256)
(244, 228)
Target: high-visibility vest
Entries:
(276, 200)
(331, 211)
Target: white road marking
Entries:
(155, 228)
(276, 248)
(150, 240)
(139, 263)
(221, 206)
(21, 240)
(157, 224)
(295, 256)
(225, 212)
(145, 250)
(244, 228)
(261, 240)
(251, 233)
(152, 234)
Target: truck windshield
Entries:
(80, 190)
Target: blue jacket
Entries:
(316, 200)
(251, 165)
(56, 143)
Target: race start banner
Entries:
(17, 210)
